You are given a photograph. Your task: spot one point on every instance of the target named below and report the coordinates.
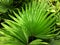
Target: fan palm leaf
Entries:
(35, 21)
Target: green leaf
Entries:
(37, 42)
(6, 2)
(55, 42)
(9, 41)
(35, 21)
(3, 9)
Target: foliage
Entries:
(55, 42)
(35, 21)
(37, 24)
(8, 41)
(5, 5)
(55, 5)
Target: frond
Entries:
(35, 20)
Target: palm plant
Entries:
(35, 22)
